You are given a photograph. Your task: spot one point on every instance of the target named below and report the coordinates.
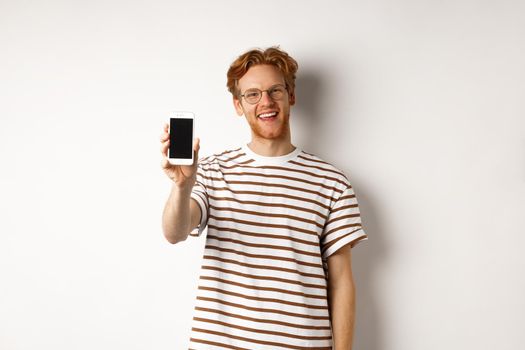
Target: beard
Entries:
(275, 132)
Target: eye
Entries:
(251, 94)
(277, 92)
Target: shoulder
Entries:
(322, 167)
(229, 156)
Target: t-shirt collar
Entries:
(264, 160)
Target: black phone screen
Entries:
(181, 138)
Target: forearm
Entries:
(342, 314)
(176, 218)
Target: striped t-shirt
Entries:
(272, 223)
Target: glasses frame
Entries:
(267, 91)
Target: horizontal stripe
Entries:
(233, 158)
(353, 243)
(271, 215)
(198, 182)
(342, 227)
(265, 194)
(316, 160)
(265, 320)
(254, 330)
(237, 165)
(317, 176)
(264, 224)
(262, 246)
(342, 218)
(348, 196)
(266, 184)
(263, 278)
(329, 244)
(207, 342)
(268, 289)
(274, 205)
(318, 167)
(263, 256)
(264, 267)
(217, 156)
(297, 179)
(267, 300)
(344, 208)
(289, 346)
(313, 243)
(263, 310)
(345, 240)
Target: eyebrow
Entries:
(272, 86)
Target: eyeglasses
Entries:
(276, 92)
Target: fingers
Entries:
(196, 144)
(164, 163)
(165, 141)
(165, 135)
(164, 148)
(196, 147)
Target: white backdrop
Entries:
(419, 102)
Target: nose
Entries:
(266, 99)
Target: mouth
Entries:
(268, 116)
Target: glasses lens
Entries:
(252, 95)
(277, 92)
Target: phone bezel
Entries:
(182, 115)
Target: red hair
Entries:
(272, 56)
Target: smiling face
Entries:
(268, 119)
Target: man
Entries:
(276, 271)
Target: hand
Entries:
(183, 176)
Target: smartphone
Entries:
(182, 125)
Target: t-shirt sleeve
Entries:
(199, 193)
(343, 225)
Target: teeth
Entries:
(267, 115)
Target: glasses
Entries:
(276, 92)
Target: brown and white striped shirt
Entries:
(272, 223)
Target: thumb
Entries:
(196, 147)
(196, 144)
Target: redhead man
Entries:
(281, 222)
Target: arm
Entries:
(181, 215)
(341, 298)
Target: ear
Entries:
(238, 106)
(291, 98)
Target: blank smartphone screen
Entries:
(181, 138)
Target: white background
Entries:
(419, 102)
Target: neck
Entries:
(270, 147)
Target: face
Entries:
(277, 126)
